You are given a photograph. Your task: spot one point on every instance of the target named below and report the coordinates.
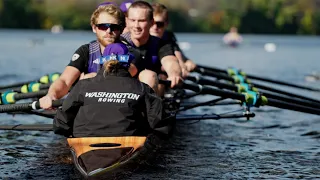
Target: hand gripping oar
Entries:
(240, 88)
(232, 71)
(26, 106)
(240, 79)
(44, 80)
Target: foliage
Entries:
(250, 16)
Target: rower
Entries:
(159, 29)
(151, 52)
(124, 6)
(111, 103)
(232, 38)
(107, 22)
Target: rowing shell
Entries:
(97, 155)
(94, 156)
(313, 77)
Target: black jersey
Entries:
(171, 38)
(80, 58)
(149, 55)
(112, 105)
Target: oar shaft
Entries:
(214, 74)
(210, 82)
(28, 127)
(260, 86)
(217, 70)
(294, 107)
(26, 106)
(291, 100)
(211, 117)
(38, 94)
(41, 87)
(228, 78)
(212, 69)
(281, 83)
(204, 81)
(13, 85)
(216, 92)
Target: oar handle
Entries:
(26, 106)
(165, 82)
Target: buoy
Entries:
(270, 47)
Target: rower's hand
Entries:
(175, 81)
(184, 71)
(86, 76)
(190, 66)
(46, 102)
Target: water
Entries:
(276, 144)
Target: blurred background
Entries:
(215, 16)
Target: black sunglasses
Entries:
(106, 26)
(159, 24)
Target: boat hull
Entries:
(96, 156)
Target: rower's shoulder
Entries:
(84, 48)
(125, 36)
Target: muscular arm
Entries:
(72, 72)
(62, 85)
(171, 65)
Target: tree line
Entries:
(215, 16)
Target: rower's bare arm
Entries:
(62, 85)
(183, 67)
(171, 65)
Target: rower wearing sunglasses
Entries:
(111, 103)
(107, 22)
(151, 53)
(159, 29)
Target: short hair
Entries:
(143, 5)
(160, 9)
(112, 10)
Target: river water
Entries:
(276, 144)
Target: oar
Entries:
(250, 99)
(239, 88)
(237, 79)
(12, 97)
(49, 78)
(49, 127)
(200, 68)
(26, 106)
(31, 87)
(29, 127)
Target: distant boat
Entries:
(56, 29)
(314, 76)
(233, 43)
(232, 38)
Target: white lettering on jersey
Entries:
(112, 97)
